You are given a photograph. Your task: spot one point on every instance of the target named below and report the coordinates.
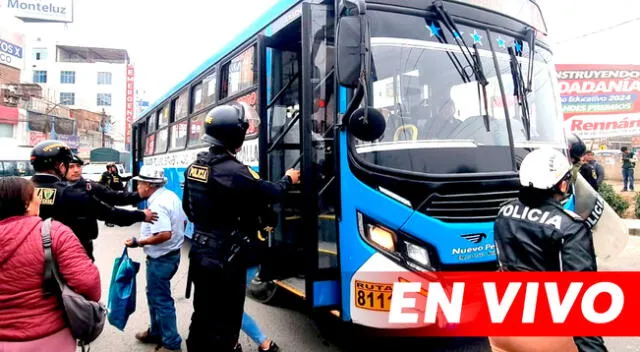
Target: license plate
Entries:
(373, 295)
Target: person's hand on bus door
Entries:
(150, 216)
(294, 174)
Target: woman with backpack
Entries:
(31, 320)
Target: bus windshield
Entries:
(434, 115)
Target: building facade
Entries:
(11, 64)
(76, 77)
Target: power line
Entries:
(600, 30)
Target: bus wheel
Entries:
(264, 292)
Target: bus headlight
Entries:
(394, 244)
(382, 237)
(418, 254)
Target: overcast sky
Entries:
(167, 40)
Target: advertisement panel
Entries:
(600, 101)
(130, 105)
(39, 10)
(11, 48)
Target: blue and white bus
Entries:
(456, 94)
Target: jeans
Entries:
(249, 326)
(161, 305)
(627, 177)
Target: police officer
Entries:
(103, 193)
(223, 198)
(112, 179)
(74, 207)
(535, 232)
(588, 171)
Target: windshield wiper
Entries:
(473, 60)
(520, 91)
(531, 39)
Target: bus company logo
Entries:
(474, 237)
(47, 196)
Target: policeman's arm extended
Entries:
(271, 192)
(112, 197)
(577, 253)
(121, 217)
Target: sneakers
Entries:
(272, 348)
(146, 337)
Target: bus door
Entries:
(299, 107)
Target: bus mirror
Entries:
(349, 49)
(367, 128)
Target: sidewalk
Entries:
(634, 226)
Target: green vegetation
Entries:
(618, 203)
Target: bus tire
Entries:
(265, 292)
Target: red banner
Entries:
(600, 100)
(503, 303)
(130, 109)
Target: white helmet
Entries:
(544, 168)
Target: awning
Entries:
(9, 115)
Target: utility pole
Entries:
(103, 125)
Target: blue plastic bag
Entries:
(122, 291)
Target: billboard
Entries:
(130, 104)
(39, 10)
(11, 48)
(600, 101)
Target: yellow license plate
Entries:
(373, 295)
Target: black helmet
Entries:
(76, 160)
(226, 125)
(577, 148)
(46, 154)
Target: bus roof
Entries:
(279, 8)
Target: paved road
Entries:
(289, 324)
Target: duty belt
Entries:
(207, 239)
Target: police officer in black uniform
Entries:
(535, 232)
(112, 179)
(74, 207)
(103, 193)
(223, 198)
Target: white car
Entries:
(94, 171)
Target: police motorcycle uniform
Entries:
(535, 233)
(224, 199)
(72, 205)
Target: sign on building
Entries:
(38, 10)
(11, 48)
(600, 101)
(130, 106)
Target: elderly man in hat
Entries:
(161, 242)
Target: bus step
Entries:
(294, 285)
